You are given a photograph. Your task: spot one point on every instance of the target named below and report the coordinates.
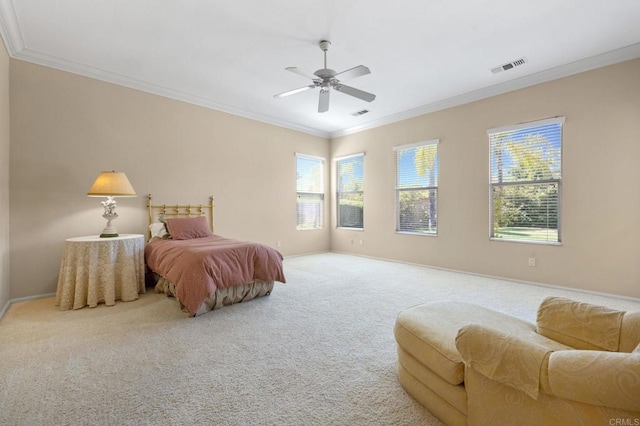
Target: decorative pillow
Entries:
(579, 325)
(188, 228)
(159, 230)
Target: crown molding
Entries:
(9, 28)
(37, 58)
(12, 35)
(587, 64)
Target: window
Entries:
(310, 192)
(526, 177)
(350, 196)
(417, 188)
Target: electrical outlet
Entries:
(278, 243)
(532, 261)
(361, 242)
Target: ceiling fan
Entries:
(326, 79)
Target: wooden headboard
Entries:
(179, 210)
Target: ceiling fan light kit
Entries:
(327, 79)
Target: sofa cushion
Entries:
(455, 396)
(580, 325)
(435, 402)
(428, 332)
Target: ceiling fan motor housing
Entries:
(325, 73)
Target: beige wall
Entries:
(4, 177)
(600, 203)
(66, 128)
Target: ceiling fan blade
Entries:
(357, 93)
(323, 102)
(302, 72)
(294, 91)
(353, 73)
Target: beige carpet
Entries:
(318, 351)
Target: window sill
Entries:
(542, 243)
(420, 234)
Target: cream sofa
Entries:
(579, 364)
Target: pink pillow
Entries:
(188, 228)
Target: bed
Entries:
(202, 270)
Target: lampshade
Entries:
(112, 184)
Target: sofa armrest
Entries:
(609, 379)
(515, 360)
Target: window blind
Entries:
(310, 192)
(350, 193)
(525, 179)
(417, 187)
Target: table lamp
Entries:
(111, 184)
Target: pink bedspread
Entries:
(199, 266)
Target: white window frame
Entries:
(317, 195)
(432, 188)
(337, 161)
(551, 181)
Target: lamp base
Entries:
(109, 231)
(103, 235)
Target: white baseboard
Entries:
(556, 287)
(291, 256)
(4, 309)
(22, 299)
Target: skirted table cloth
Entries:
(101, 270)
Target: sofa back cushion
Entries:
(580, 325)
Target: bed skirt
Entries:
(223, 296)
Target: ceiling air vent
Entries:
(509, 65)
(359, 113)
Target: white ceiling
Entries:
(424, 55)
